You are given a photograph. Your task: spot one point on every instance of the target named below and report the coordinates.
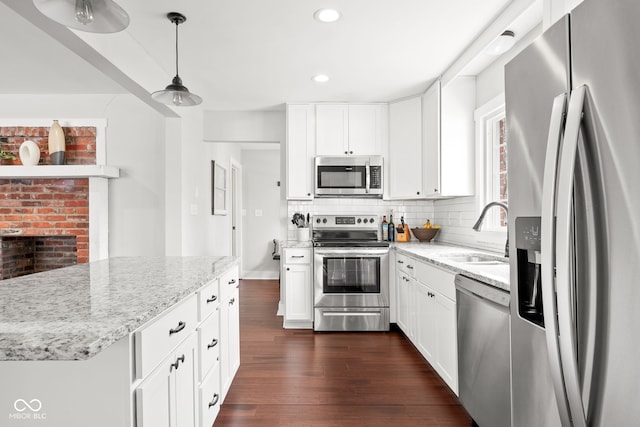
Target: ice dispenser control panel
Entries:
(529, 269)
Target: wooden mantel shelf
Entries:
(58, 171)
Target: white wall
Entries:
(202, 232)
(244, 126)
(260, 174)
(135, 143)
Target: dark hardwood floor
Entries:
(302, 378)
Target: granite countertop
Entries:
(296, 244)
(437, 254)
(75, 312)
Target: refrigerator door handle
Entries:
(564, 241)
(548, 254)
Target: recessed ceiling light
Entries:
(320, 78)
(326, 15)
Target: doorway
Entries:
(236, 211)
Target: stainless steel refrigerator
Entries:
(573, 132)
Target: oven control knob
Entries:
(366, 220)
(360, 220)
(317, 220)
(371, 220)
(324, 220)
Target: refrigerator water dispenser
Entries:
(529, 269)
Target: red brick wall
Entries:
(80, 143)
(49, 207)
(22, 255)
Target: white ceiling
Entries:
(259, 54)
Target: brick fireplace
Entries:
(45, 221)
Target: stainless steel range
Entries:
(351, 274)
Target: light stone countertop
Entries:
(438, 253)
(75, 312)
(296, 244)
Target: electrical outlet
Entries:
(194, 209)
(258, 212)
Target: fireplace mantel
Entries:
(61, 171)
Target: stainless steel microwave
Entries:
(349, 176)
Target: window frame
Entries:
(486, 118)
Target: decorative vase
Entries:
(56, 144)
(29, 153)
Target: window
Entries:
(492, 136)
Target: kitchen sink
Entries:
(475, 259)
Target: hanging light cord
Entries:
(177, 23)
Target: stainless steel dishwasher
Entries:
(483, 352)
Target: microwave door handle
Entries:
(367, 167)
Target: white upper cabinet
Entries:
(405, 149)
(332, 129)
(300, 146)
(350, 129)
(368, 129)
(431, 140)
(448, 139)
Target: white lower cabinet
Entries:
(168, 396)
(188, 386)
(298, 288)
(229, 331)
(446, 341)
(426, 313)
(210, 398)
(426, 322)
(406, 304)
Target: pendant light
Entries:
(176, 93)
(94, 16)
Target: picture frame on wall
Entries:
(219, 189)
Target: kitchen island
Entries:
(119, 342)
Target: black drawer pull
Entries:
(297, 256)
(400, 262)
(410, 267)
(212, 299)
(213, 344)
(215, 400)
(180, 327)
(232, 301)
(232, 281)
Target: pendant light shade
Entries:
(176, 93)
(94, 16)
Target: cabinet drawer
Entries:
(297, 256)
(437, 279)
(210, 397)
(157, 338)
(208, 299)
(229, 281)
(209, 343)
(406, 264)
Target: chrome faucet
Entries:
(478, 223)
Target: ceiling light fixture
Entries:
(502, 43)
(176, 93)
(320, 78)
(94, 16)
(326, 15)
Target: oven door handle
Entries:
(352, 252)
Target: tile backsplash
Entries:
(415, 212)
